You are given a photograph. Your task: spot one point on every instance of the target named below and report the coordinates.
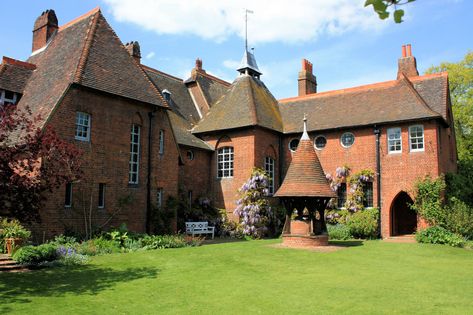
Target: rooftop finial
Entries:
(305, 135)
(246, 28)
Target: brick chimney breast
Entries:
(45, 26)
(407, 64)
(307, 82)
(134, 50)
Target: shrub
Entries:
(68, 256)
(364, 223)
(428, 202)
(34, 255)
(163, 241)
(439, 235)
(13, 229)
(339, 232)
(459, 218)
(98, 246)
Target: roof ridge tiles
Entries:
(404, 79)
(162, 73)
(80, 18)
(19, 63)
(252, 104)
(212, 77)
(87, 45)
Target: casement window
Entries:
(159, 198)
(82, 126)
(225, 162)
(269, 168)
(347, 139)
(342, 195)
(320, 142)
(293, 145)
(7, 97)
(68, 196)
(416, 138)
(161, 141)
(101, 203)
(134, 154)
(394, 140)
(167, 95)
(368, 193)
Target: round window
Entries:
(347, 139)
(190, 155)
(320, 142)
(293, 144)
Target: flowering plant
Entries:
(253, 206)
(356, 196)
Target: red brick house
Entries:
(148, 135)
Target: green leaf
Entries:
(398, 14)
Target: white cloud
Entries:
(231, 64)
(278, 20)
(150, 55)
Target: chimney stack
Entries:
(134, 50)
(198, 67)
(306, 80)
(45, 26)
(407, 63)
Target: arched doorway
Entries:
(403, 218)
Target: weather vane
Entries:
(246, 27)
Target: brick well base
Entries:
(294, 240)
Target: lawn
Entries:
(370, 277)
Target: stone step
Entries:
(7, 262)
(4, 257)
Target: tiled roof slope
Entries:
(247, 103)
(433, 88)
(181, 128)
(85, 51)
(378, 103)
(13, 77)
(181, 101)
(305, 176)
(212, 88)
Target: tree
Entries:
(461, 93)
(32, 162)
(382, 8)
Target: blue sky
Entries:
(347, 43)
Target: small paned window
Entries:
(320, 142)
(347, 139)
(342, 195)
(293, 145)
(190, 155)
(269, 168)
(225, 162)
(134, 154)
(68, 196)
(101, 203)
(7, 97)
(167, 95)
(159, 198)
(416, 138)
(368, 193)
(394, 140)
(82, 126)
(161, 141)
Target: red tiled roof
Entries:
(14, 74)
(305, 176)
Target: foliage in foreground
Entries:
(439, 235)
(360, 224)
(339, 232)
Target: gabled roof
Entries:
(181, 101)
(86, 51)
(247, 103)
(305, 176)
(181, 128)
(212, 87)
(391, 101)
(14, 74)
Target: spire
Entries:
(305, 135)
(248, 64)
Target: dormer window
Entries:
(7, 97)
(167, 95)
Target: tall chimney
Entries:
(407, 63)
(134, 50)
(306, 80)
(198, 67)
(45, 27)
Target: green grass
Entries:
(371, 277)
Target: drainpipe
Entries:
(148, 182)
(281, 161)
(377, 133)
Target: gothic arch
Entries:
(224, 141)
(271, 152)
(137, 119)
(403, 220)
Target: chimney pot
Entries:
(134, 50)
(409, 51)
(307, 82)
(198, 64)
(403, 51)
(407, 65)
(45, 26)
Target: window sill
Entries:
(416, 151)
(395, 152)
(131, 185)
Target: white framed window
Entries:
(320, 142)
(134, 154)
(68, 196)
(368, 195)
(269, 168)
(225, 162)
(394, 140)
(7, 97)
(101, 203)
(347, 139)
(293, 145)
(416, 138)
(341, 195)
(159, 197)
(161, 141)
(82, 126)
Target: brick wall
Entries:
(194, 174)
(106, 158)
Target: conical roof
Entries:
(305, 176)
(248, 64)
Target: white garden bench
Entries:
(199, 228)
